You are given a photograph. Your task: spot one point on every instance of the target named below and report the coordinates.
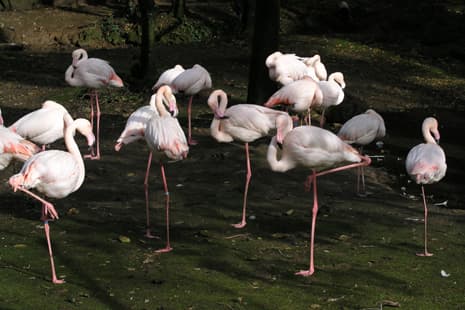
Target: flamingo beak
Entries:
(173, 109)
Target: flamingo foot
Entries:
(305, 273)
(56, 281)
(239, 225)
(192, 142)
(426, 254)
(49, 213)
(92, 157)
(164, 250)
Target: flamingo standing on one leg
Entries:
(317, 149)
(245, 123)
(426, 164)
(45, 125)
(56, 174)
(191, 82)
(165, 138)
(92, 73)
(361, 130)
(333, 92)
(135, 130)
(168, 76)
(301, 95)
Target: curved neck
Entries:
(218, 107)
(69, 77)
(427, 134)
(72, 147)
(281, 165)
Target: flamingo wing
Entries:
(426, 163)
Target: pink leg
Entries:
(190, 141)
(311, 268)
(426, 253)
(168, 247)
(48, 210)
(49, 243)
(94, 99)
(148, 233)
(322, 118)
(246, 189)
(361, 175)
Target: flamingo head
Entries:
(85, 128)
(78, 55)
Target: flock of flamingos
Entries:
(305, 85)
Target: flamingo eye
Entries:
(80, 56)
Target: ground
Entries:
(364, 254)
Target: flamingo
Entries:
(362, 130)
(320, 150)
(191, 82)
(426, 164)
(318, 67)
(93, 73)
(45, 125)
(56, 174)
(167, 77)
(1, 118)
(287, 68)
(14, 146)
(135, 130)
(333, 92)
(245, 123)
(165, 138)
(301, 95)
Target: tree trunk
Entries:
(265, 41)
(179, 8)
(148, 35)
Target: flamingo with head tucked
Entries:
(165, 138)
(168, 76)
(191, 82)
(320, 150)
(56, 174)
(287, 68)
(362, 130)
(45, 125)
(245, 123)
(93, 73)
(135, 130)
(426, 164)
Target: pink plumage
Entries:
(168, 76)
(13, 146)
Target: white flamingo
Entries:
(56, 174)
(168, 76)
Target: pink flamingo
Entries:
(301, 95)
(191, 82)
(92, 73)
(318, 67)
(135, 130)
(13, 146)
(317, 149)
(426, 164)
(1, 118)
(362, 130)
(333, 92)
(168, 76)
(45, 125)
(56, 174)
(287, 68)
(245, 123)
(165, 138)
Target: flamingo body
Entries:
(287, 68)
(363, 129)
(12, 146)
(192, 80)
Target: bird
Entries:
(165, 139)
(426, 164)
(191, 82)
(45, 125)
(333, 92)
(300, 95)
(135, 130)
(361, 130)
(13, 146)
(56, 174)
(320, 150)
(245, 123)
(1, 118)
(287, 68)
(93, 73)
(167, 77)
(318, 67)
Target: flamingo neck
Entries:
(70, 79)
(218, 107)
(428, 136)
(281, 165)
(72, 147)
